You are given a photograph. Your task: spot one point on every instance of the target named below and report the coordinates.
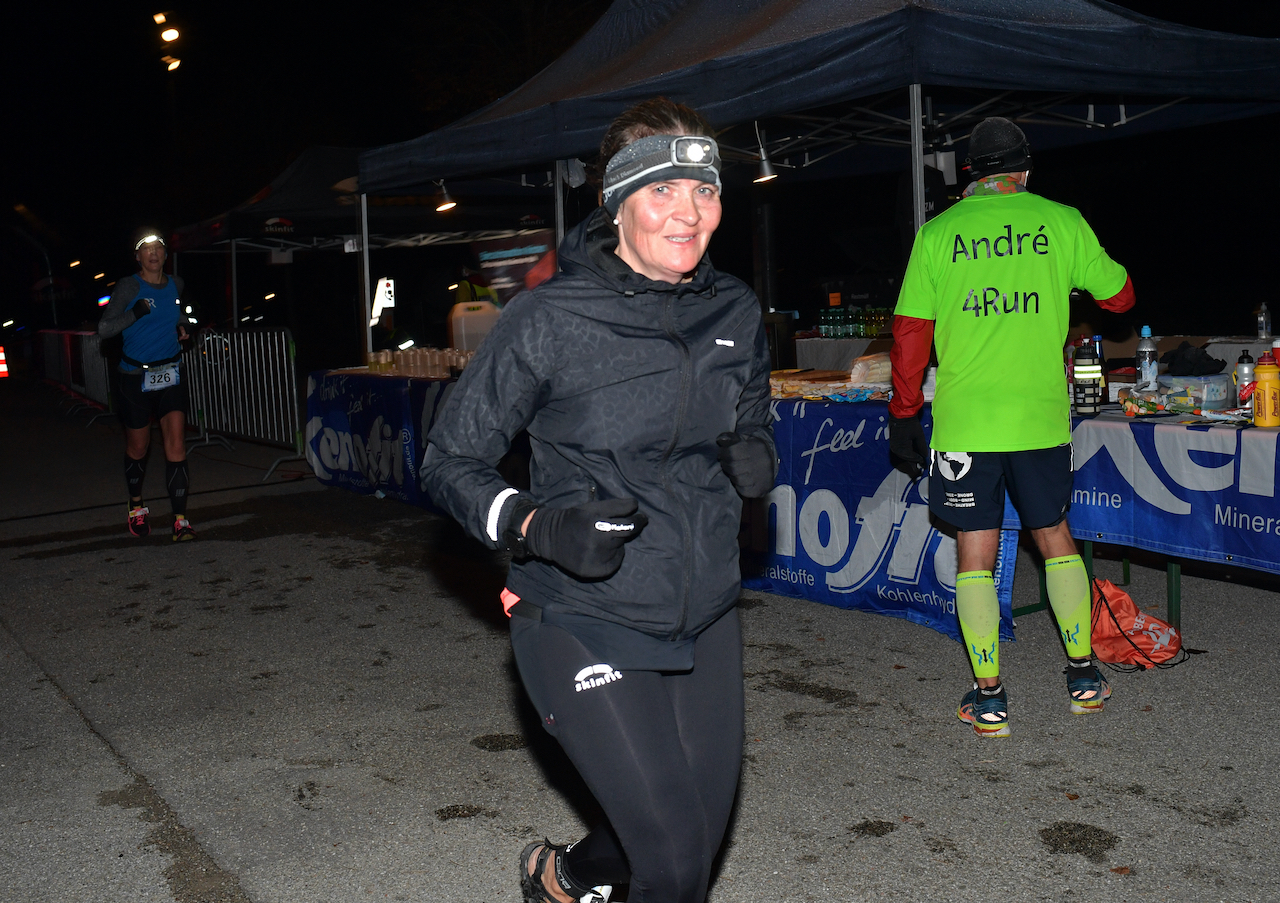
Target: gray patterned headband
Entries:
(658, 158)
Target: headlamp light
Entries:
(693, 151)
(657, 158)
(148, 239)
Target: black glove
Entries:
(908, 448)
(748, 463)
(586, 541)
(141, 308)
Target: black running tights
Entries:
(660, 751)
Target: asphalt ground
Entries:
(316, 701)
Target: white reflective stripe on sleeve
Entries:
(495, 509)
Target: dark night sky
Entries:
(100, 139)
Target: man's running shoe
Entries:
(1088, 689)
(138, 525)
(989, 715)
(183, 531)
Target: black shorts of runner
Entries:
(967, 489)
(136, 408)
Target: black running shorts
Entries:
(967, 489)
(136, 408)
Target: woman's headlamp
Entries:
(148, 239)
(659, 158)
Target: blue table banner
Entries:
(1206, 492)
(367, 432)
(844, 528)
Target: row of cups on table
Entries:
(427, 363)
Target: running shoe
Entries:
(532, 869)
(1088, 689)
(183, 531)
(138, 525)
(989, 715)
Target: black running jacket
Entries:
(623, 384)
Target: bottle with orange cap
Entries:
(1266, 395)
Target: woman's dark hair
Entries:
(657, 116)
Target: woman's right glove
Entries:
(587, 541)
(749, 463)
(141, 308)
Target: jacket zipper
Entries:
(682, 403)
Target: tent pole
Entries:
(364, 274)
(917, 158)
(561, 179)
(235, 296)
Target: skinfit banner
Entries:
(843, 527)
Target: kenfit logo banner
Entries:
(844, 528)
(1202, 492)
(359, 434)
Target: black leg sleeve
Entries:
(175, 478)
(134, 473)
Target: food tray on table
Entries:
(824, 385)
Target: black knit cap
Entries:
(997, 145)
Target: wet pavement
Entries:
(315, 701)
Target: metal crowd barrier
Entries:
(73, 359)
(243, 385)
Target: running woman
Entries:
(148, 310)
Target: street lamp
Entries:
(167, 37)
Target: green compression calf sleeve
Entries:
(1068, 585)
(979, 612)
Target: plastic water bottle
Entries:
(1264, 322)
(1244, 380)
(1147, 360)
(1266, 395)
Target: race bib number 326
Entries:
(160, 378)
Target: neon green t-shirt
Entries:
(995, 273)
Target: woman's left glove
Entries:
(749, 463)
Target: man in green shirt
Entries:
(988, 282)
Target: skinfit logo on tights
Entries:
(595, 676)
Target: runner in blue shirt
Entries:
(147, 309)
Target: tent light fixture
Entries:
(169, 35)
(174, 64)
(74, 263)
(445, 201)
(100, 276)
(7, 323)
(453, 287)
(765, 172)
(159, 18)
(268, 297)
